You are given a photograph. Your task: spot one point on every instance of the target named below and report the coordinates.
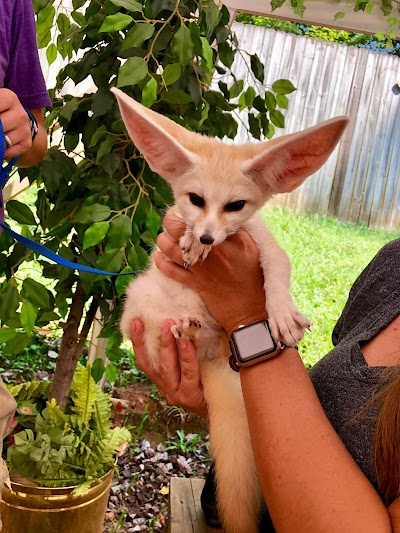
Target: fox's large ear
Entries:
(156, 136)
(290, 160)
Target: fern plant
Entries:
(61, 449)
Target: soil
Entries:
(139, 493)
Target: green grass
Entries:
(326, 256)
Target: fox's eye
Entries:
(235, 206)
(197, 200)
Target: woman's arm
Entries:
(307, 475)
(309, 480)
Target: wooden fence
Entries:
(361, 180)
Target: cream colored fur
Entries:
(221, 174)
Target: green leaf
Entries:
(137, 258)
(282, 101)
(182, 46)
(9, 303)
(6, 334)
(135, 37)
(110, 163)
(116, 22)
(339, 15)
(176, 96)
(249, 97)
(17, 344)
(275, 4)
(97, 370)
(28, 316)
(36, 293)
(153, 221)
(51, 53)
(283, 87)
(120, 231)
(71, 141)
(254, 125)
(172, 73)
(97, 135)
(149, 93)
(122, 282)
(106, 148)
(20, 212)
(111, 260)
(63, 23)
(257, 67)
(95, 234)
(93, 213)
(130, 5)
(226, 54)
(207, 53)
(277, 119)
(111, 373)
(78, 18)
(132, 71)
(270, 101)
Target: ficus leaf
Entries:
(130, 5)
(132, 71)
(28, 316)
(36, 293)
(116, 22)
(182, 45)
(95, 234)
(149, 93)
(172, 73)
(20, 212)
(136, 36)
(283, 87)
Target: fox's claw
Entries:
(186, 328)
(192, 250)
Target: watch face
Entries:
(252, 342)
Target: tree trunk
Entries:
(71, 346)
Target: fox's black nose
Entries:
(206, 239)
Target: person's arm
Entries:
(309, 479)
(17, 127)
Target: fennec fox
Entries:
(218, 188)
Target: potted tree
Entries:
(61, 462)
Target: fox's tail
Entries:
(238, 489)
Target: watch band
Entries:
(252, 344)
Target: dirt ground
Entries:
(139, 493)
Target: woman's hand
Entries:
(178, 377)
(230, 281)
(17, 128)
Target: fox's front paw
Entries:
(192, 250)
(287, 323)
(186, 328)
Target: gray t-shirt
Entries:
(342, 379)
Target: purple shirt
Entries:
(20, 69)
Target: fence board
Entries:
(360, 182)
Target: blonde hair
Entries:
(387, 436)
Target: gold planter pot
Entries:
(43, 510)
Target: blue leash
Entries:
(30, 243)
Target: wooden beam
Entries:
(320, 13)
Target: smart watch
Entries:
(252, 344)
